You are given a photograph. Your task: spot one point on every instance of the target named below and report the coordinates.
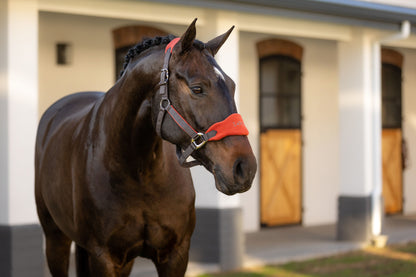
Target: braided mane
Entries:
(144, 45)
(150, 42)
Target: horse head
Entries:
(203, 121)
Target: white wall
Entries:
(92, 66)
(319, 127)
(320, 132)
(409, 128)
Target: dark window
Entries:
(280, 87)
(63, 53)
(392, 96)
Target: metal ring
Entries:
(164, 101)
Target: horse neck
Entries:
(126, 115)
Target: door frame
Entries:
(393, 58)
(280, 47)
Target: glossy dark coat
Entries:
(106, 181)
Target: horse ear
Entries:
(188, 37)
(215, 44)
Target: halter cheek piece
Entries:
(233, 125)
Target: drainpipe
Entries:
(377, 209)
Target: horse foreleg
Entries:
(125, 272)
(58, 245)
(89, 266)
(176, 264)
(57, 253)
(82, 262)
(101, 265)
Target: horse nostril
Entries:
(240, 171)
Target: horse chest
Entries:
(142, 239)
(154, 221)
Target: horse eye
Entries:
(196, 90)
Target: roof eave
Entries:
(338, 11)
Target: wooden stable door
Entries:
(392, 170)
(280, 177)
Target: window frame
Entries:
(393, 61)
(282, 51)
(292, 99)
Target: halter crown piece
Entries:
(233, 125)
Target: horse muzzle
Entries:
(234, 165)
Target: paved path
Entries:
(280, 245)
(292, 243)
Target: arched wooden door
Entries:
(280, 139)
(392, 131)
(126, 37)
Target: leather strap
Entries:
(163, 91)
(197, 139)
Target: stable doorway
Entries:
(281, 136)
(392, 139)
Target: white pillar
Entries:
(4, 180)
(19, 231)
(20, 100)
(360, 138)
(377, 212)
(218, 236)
(228, 59)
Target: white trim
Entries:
(277, 25)
(184, 14)
(134, 10)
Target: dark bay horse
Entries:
(110, 168)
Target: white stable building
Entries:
(326, 89)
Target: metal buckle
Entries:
(198, 140)
(164, 76)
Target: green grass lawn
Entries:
(397, 261)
